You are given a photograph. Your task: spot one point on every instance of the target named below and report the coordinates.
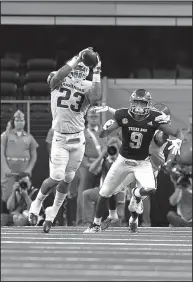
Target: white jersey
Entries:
(69, 105)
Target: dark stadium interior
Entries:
(161, 52)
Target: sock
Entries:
(97, 221)
(134, 216)
(58, 201)
(113, 214)
(39, 200)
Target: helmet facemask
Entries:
(140, 109)
(80, 72)
(140, 104)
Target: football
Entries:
(89, 58)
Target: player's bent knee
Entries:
(69, 177)
(104, 194)
(57, 175)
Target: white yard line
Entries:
(92, 243)
(132, 238)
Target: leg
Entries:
(113, 179)
(146, 221)
(58, 161)
(74, 159)
(83, 185)
(90, 197)
(175, 220)
(146, 185)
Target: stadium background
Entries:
(142, 44)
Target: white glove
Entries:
(108, 124)
(163, 118)
(97, 68)
(99, 109)
(175, 146)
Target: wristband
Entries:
(73, 62)
(96, 77)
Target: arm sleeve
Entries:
(117, 117)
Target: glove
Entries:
(108, 124)
(175, 146)
(99, 109)
(97, 68)
(162, 118)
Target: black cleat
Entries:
(108, 222)
(47, 226)
(33, 219)
(133, 227)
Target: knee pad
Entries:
(69, 177)
(57, 175)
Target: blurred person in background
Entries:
(18, 154)
(101, 165)
(19, 201)
(71, 97)
(93, 146)
(179, 168)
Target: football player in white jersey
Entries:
(157, 157)
(71, 97)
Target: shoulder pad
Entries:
(120, 115)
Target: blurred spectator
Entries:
(101, 166)
(8, 128)
(18, 204)
(182, 199)
(92, 151)
(179, 167)
(18, 154)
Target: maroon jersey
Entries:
(136, 135)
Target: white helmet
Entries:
(80, 72)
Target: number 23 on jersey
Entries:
(78, 102)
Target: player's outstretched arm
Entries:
(95, 93)
(110, 126)
(100, 109)
(65, 70)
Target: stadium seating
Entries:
(164, 73)
(184, 73)
(143, 73)
(8, 90)
(10, 77)
(41, 64)
(34, 90)
(36, 76)
(9, 64)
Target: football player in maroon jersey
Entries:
(138, 123)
